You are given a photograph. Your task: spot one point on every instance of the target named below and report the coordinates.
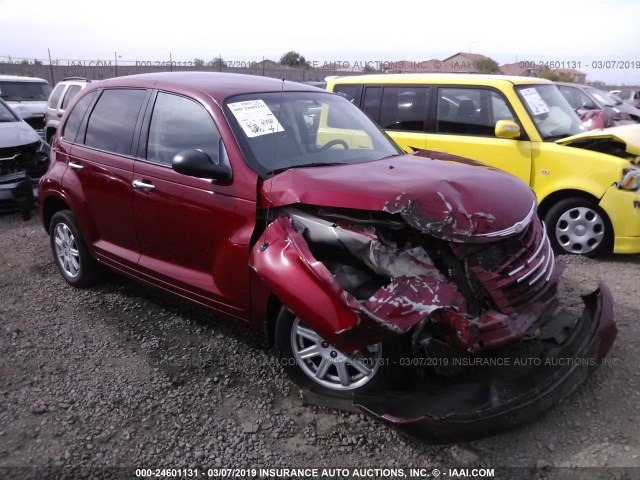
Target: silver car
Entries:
(23, 160)
(591, 98)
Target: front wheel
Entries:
(578, 226)
(316, 365)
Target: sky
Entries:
(600, 37)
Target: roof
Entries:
(17, 78)
(451, 78)
(476, 57)
(217, 85)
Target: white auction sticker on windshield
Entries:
(255, 118)
(535, 101)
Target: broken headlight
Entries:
(630, 179)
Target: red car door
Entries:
(100, 174)
(194, 235)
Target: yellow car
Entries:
(586, 182)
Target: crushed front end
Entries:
(473, 292)
(20, 170)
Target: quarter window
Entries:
(113, 120)
(180, 124)
(353, 93)
(55, 96)
(75, 117)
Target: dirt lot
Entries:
(123, 375)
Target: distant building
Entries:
(524, 68)
(578, 76)
(463, 62)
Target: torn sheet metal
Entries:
(312, 292)
(405, 301)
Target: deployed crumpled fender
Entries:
(283, 260)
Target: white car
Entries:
(27, 96)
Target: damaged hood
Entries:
(629, 135)
(448, 197)
(16, 134)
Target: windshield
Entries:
(553, 116)
(278, 131)
(19, 91)
(7, 115)
(603, 97)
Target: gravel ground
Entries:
(123, 375)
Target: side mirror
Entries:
(507, 129)
(196, 163)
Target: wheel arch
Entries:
(559, 195)
(51, 205)
(546, 208)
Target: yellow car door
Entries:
(468, 121)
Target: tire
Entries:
(326, 370)
(70, 252)
(579, 226)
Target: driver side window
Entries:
(180, 124)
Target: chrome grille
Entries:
(525, 273)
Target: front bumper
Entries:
(18, 192)
(498, 398)
(623, 209)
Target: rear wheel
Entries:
(316, 365)
(71, 255)
(579, 226)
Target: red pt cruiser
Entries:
(421, 287)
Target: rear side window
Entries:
(404, 108)
(72, 91)
(113, 120)
(371, 103)
(55, 96)
(75, 117)
(179, 124)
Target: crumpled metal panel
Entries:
(439, 193)
(283, 259)
(406, 300)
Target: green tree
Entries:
(488, 65)
(370, 69)
(566, 77)
(294, 59)
(557, 76)
(549, 75)
(198, 62)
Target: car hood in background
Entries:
(449, 197)
(28, 108)
(15, 134)
(629, 135)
